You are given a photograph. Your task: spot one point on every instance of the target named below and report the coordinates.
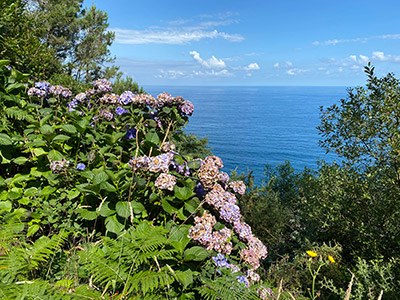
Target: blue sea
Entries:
(249, 127)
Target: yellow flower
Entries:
(331, 259)
(312, 253)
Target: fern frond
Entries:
(103, 269)
(226, 288)
(10, 227)
(43, 248)
(149, 281)
(17, 113)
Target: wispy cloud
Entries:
(170, 36)
(180, 31)
(358, 39)
(296, 71)
(212, 63)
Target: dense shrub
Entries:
(97, 202)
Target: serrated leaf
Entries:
(122, 208)
(61, 138)
(138, 207)
(47, 191)
(183, 193)
(105, 185)
(20, 160)
(69, 128)
(47, 129)
(113, 224)
(55, 155)
(72, 194)
(88, 214)
(152, 137)
(99, 178)
(5, 140)
(32, 229)
(196, 253)
(107, 209)
(39, 151)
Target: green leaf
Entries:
(196, 253)
(192, 205)
(55, 155)
(99, 178)
(32, 229)
(152, 137)
(185, 277)
(61, 138)
(122, 208)
(39, 151)
(138, 207)
(20, 160)
(107, 209)
(105, 185)
(183, 193)
(47, 129)
(88, 214)
(5, 205)
(113, 224)
(47, 191)
(168, 207)
(194, 164)
(5, 140)
(69, 128)
(72, 194)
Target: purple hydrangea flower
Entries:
(243, 279)
(187, 108)
(80, 167)
(126, 97)
(71, 105)
(199, 190)
(220, 261)
(230, 212)
(120, 110)
(45, 86)
(102, 85)
(131, 133)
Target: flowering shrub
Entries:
(102, 167)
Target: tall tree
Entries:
(91, 57)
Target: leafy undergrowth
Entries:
(97, 202)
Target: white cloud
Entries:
(171, 74)
(380, 56)
(222, 73)
(288, 64)
(212, 63)
(276, 65)
(170, 36)
(296, 71)
(252, 67)
(359, 39)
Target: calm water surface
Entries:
(249, 127)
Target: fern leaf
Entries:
(43, 248)
(102, 269)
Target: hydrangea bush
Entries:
(102, 168)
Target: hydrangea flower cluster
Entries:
(265, 293)
(102, 86)
(155, 164)
(201, 231)
(58, 90)
(165, 181)
(57, 166)
(40, 89)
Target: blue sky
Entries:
(253, 42)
